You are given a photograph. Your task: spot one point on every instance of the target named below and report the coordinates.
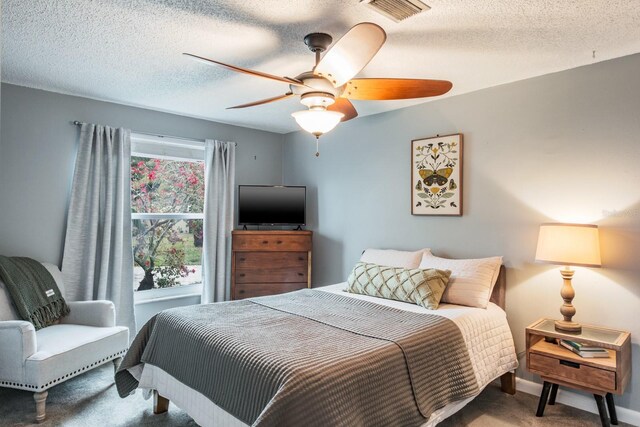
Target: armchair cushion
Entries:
(65, 351)
(91, 313)
(17, 343)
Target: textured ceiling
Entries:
(129, 51)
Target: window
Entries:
(167, 202)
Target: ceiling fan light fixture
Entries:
(317, 99)
(317, 121)
(328, 88)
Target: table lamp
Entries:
(568, 244)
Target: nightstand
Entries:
(558, 366)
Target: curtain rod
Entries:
(77, 123)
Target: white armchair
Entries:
(37, 360)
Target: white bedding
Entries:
(485, 332)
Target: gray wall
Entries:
(37, 154)
(562, 147)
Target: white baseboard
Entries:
(586, 403)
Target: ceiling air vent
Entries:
(397, 9)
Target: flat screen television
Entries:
(271, 205)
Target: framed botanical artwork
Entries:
(436, 175)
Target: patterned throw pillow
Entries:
(422, 287)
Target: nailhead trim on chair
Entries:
(64, 377)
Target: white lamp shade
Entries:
(569, 244)
(317, 122)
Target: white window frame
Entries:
(167, 148)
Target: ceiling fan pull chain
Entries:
(317, 146)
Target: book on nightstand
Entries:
(583, 350)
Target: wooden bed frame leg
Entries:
(160, 404)
(508, 383)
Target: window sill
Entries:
(155, 295)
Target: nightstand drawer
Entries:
(572, 372)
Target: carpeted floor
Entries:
(91, 400)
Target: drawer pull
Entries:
(300, 258)
(241, 291)
(279, 242)
(300, 274)
(264, 242)
(241, 274)
(570, 364)
(242, 259)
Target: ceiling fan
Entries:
(327, 89)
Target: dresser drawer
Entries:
(272, 242)
(252, 290)
(573, 372)
(272, 275)
(259, 260)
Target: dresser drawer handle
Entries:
(264, 242)
(570, 364)
(300, 259)
(279, 242)
(241, 292)
(300, 274)
(241, 274)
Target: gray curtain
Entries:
(98, 256)
(220, 158)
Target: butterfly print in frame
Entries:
(436, 175)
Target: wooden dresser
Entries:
(269, 262)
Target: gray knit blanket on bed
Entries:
(309, 358)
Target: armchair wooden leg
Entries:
(116, 364)
(41, 400)
(160, 404)
(508, 383)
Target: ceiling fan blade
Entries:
(387, 89)
(263, 101)
(287, 80)
(351, 53)
(345, 107)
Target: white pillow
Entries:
(393, 258)
(471, 281)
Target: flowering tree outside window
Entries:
(167, 200)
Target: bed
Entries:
(485, 335)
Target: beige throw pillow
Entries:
(422, 287)
(471, 281)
